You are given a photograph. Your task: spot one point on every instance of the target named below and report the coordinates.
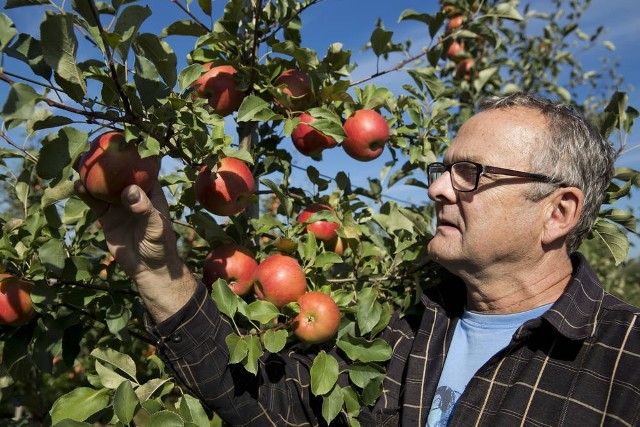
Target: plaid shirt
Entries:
(576, 365)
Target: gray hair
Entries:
(572, 150)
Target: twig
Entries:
(110, 62)
(13, 144)
(191, 15)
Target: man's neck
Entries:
(501, 291)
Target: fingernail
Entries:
(133, 196)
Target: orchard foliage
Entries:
(92, 67)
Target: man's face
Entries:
(494, 227)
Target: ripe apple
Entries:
(15, 300)
(454, 50)
(318, 320)
(230, 192)
(464, 68)
(280, 280)
(367, 133)
(455, 22)
(297, 87)
(310, 141)
(323, 230)
(220, 88)
(233, 263)
(110, 165)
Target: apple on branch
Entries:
(318, 320)
(230, 191)
(323, 230)
(280, 280)
(111, 164)
(310, 141)
(220, 88)
(367, 133)
(233, 263)
(297, 87)
(15, 300)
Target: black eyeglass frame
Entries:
(482, 170)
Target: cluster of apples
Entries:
(15, 300)
(280, 280)
(456, 51)
(367, 131)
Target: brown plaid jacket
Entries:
(576, 365)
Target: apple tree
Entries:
(221, 89)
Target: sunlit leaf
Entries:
(324, 373)
(79, 404)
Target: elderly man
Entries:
(523, 335)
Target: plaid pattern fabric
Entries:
(577, 365)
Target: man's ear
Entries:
(565, 208)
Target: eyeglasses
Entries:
(465, 174)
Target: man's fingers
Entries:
(98, 207)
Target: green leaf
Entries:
(148, 389)
(29, 50)
(10, 4)
(191, 410)
(160, 54)
(164, 418)
(148, 84)
(7, 31)
(57, 156)
(237, 347)
(205, 5)
(59, 48)
(614, 238)
(327, 258)
(254, 108)
(263, 311)
(380, 40)
(369, 309)
(117, 317)
(127, 26)
(44, 119)
(275, 340)
(254, 353)
(183, 28)
(361, 373)
(53, 254)
(108, 377)
(189, 75)
(358, 348)
(19, 105)
(125, 402)
(324, 373)
(79, 405)
(121, 361)
(225, 299)
(332, 404)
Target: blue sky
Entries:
(351, 22)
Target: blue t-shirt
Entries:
(477, 337)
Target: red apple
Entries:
(367, 133)
(464, 68)
(297, 88)
(230, 192)
(233, 263)
(454, 50)
(15, 300)
(323, 230)
(310, 141)
(455, 22)
(318, 320)
(220, 88)
(280, 280)
(110, 165)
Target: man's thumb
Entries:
(136, 200)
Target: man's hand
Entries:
(140, 236)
